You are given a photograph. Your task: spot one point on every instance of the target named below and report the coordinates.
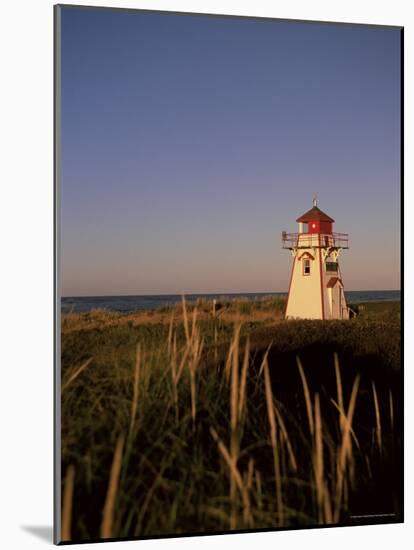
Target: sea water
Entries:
(84, 304)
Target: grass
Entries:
(192, 419)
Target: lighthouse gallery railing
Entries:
(307, 240)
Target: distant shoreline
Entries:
(212, 294)
(129, 304)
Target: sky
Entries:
(189, 143)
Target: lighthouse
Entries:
(316, 289)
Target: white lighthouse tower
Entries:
(316, 290)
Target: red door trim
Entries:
(290, 284)
(320, 272)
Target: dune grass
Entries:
(200, 422)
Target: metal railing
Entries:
(317, 240)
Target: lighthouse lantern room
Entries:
(316, 290)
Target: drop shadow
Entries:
(44, 532)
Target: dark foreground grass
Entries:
(208, 446)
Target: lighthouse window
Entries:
(306, 267)
(332, 266)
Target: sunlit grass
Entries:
(229, 424)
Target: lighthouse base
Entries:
(316, 289)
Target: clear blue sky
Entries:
(190, 142)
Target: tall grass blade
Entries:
(307, 397)
(243, 380)
(345, 450)
(377, 417)
(339, 391)
(273, 439)
(234, 428)
(108, 511)
(391, 411)
(318, 459)
(235, 475)
(170, 333)
(286, 439)
(66, 528)
(137, 372)
(75, 374)
(185, 319)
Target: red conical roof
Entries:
(314, 214)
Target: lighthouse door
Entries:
(334, 297)
(339, 302)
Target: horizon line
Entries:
(208, 293)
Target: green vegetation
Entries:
(194, 420)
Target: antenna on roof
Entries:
(315, 200)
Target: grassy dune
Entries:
(187, 419)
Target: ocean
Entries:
(83, 304)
